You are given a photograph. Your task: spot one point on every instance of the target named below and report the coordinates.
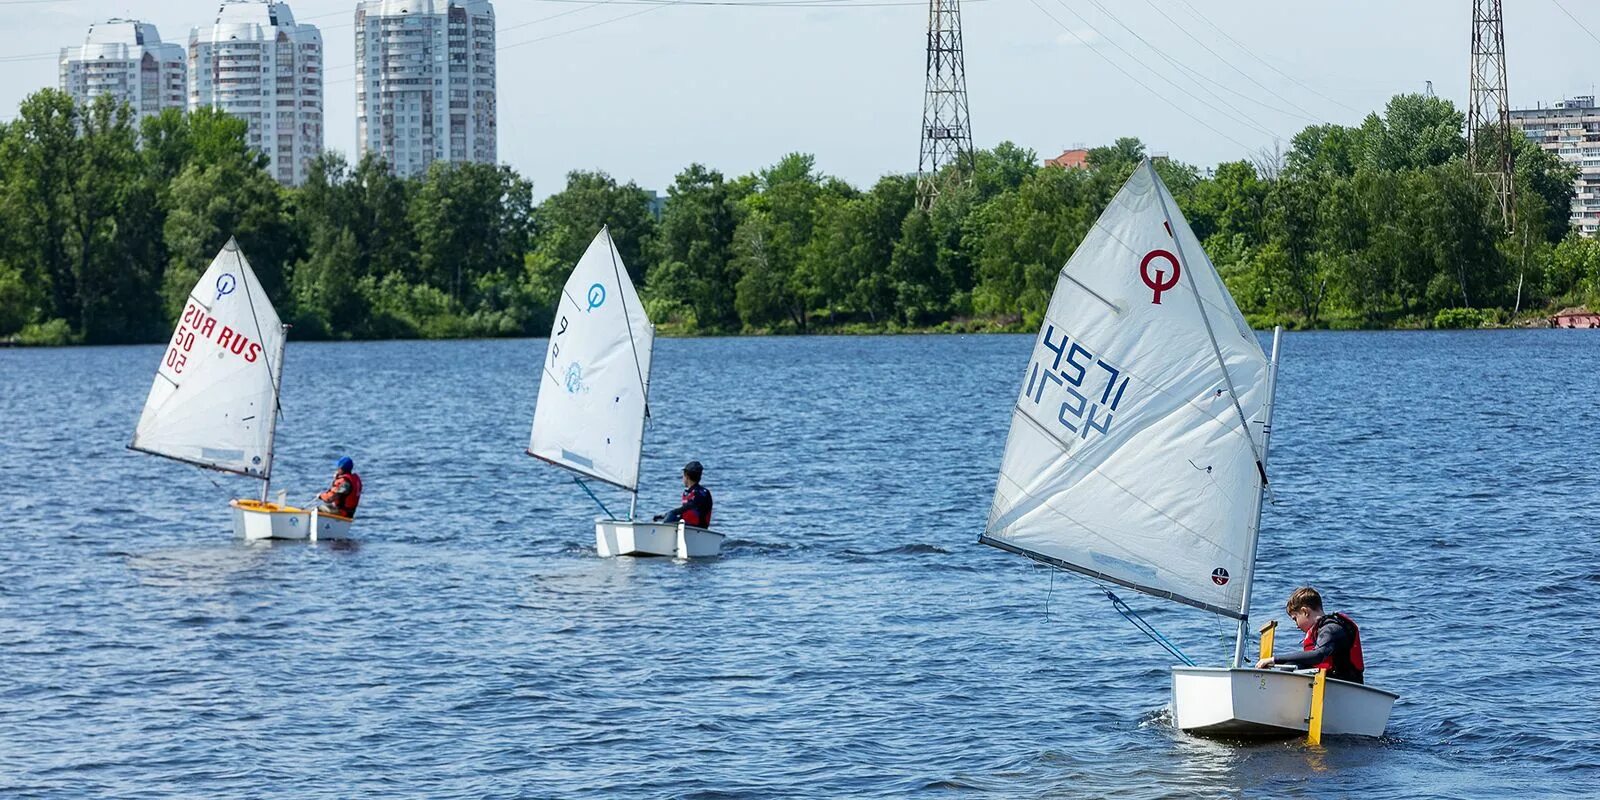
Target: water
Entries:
(853, 641)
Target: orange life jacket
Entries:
(347, 502)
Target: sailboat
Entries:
(1137, 456)
(214, 402)
(594, 395)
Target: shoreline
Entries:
(819, 333)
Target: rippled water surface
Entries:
(853, 640)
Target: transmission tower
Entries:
(946, 157)
(1488, 108)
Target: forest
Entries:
(109, 220)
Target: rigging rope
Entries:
(1146, 628)
(592, 496)
(1127, 613)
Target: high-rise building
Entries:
(256, 63)
(1571, 130)
(425, 82)
(126, 59)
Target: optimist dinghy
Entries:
(1138, 450)
(214, 403)
(594, 398)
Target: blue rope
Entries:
(602, 506)
(1146, 628)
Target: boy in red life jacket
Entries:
(345, 494)
(696, 508)
(1332, 640)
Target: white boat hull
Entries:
(254, 521)
(1217, 701)
(617, 537)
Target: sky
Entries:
(641, 89)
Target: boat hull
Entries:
(254, 520)
(616, 537)
(1217, 701)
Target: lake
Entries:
(853, 640)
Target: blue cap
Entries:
(346, 464)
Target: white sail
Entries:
(1134, 457)
(590, 413)
(214, 398)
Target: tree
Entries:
(693, 247)
(567, 221)
(1415, 132)
(471, 220)
(39, 155)
(1325, 151)
(114, 217)
(213, 201)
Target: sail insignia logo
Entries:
(1219, 576)
(1158, 281)
(574, 380)
(225, 284)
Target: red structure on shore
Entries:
(1575, 318)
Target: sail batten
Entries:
(594, 383)
(214, 395)
(1132, 456)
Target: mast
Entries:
(277, 389)
(1233, 393)
(644, 371)
(1255, 529)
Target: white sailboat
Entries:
(214, 402)
(1138, 448)
(594, 397)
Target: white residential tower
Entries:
(126, 59)
(256, 63)
(425, 82)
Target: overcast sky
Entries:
(640, 91)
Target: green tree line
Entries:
(109, 220)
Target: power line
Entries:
(1129, 75)
(1219, 84)
(587, 5)
(1252, 54)
(1575, 20)
(765, 3)
(1230, 64)
(1194, 75)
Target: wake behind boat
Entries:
(593, 401)
(214, 402)
(1138, 450)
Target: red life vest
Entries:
(691, 515)
(347, 502)
(1349, 666)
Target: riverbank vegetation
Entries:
(109, 221)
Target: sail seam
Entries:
(1099, 535)
(1145, 381)
(261, 476)
(570, 468)
(1135, 253)
(1216, 349)
(1067, 565)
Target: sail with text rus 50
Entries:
(214, 402)
(215, 396)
